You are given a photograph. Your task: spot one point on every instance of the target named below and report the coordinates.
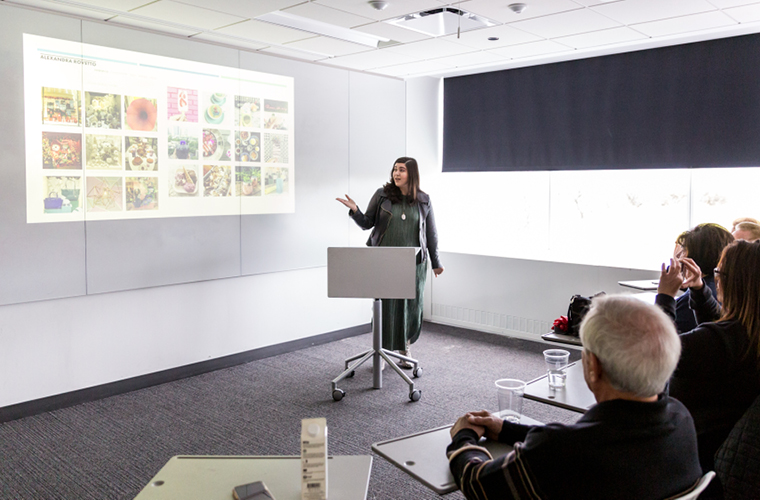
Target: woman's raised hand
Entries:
(692, 274)
(670, 278)
(351, 204)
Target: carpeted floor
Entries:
(111, 448)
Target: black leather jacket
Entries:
(379, 215)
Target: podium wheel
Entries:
(417, 372)
(415, 395)
(338, 394)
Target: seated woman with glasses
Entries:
(703, 244)
(718, 374)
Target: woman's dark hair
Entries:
(704, 244)
(413, 172)
(740, 283)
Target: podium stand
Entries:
(374, 273)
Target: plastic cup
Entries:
(556, 361)
(510, 392)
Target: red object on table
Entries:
(560, 324)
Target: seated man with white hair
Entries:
(635, 443)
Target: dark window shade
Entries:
(693, 105)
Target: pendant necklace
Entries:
(403, 210)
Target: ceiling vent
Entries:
(443, 21)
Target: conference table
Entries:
(205, 477)
(561, 338)
(575, 396)
(644, 285)
(423, 455)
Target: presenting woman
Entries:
(401, 215)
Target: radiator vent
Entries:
(491, 321)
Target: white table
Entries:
(645, 285)
(205, 477)
(562, 338)
(575, 396)
(423, 455)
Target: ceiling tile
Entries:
(478, 58)
(603, 37)
(410, 69)
(746, 14)
(396, 8)
(697, 22)
(724, 4)
(498, 10)
(244, 8)
(327, 45)
(265, 32)
(118, 5)
(324, 14)
(642, 11)
(546, 27)
(429, 49)
(506, 34)
(530, 49)
(84, 12)
(139, 22)
(396, 33)
(589, 3)
(229, 40)
(188, 15)
(369, 60)
(566, 23)
(296, 54)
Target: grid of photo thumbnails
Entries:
(100, 151)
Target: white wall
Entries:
(55, 346)
(515, 297)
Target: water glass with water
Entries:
(556, 362)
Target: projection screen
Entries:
(115, 134)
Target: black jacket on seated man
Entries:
(619, 449)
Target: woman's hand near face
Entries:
(670, 278)
(692, 274)
(678, 252)
(351, 204)
(437, 271)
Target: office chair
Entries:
(701, 485)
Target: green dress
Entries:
(402, 318)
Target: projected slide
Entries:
(113, 134)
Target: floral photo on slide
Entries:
(61, 150)
(141, 113)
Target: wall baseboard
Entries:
(516, 334)
(59, 401)
(488, 321)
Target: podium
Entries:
(374, 273)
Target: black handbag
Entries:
(577, 309)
